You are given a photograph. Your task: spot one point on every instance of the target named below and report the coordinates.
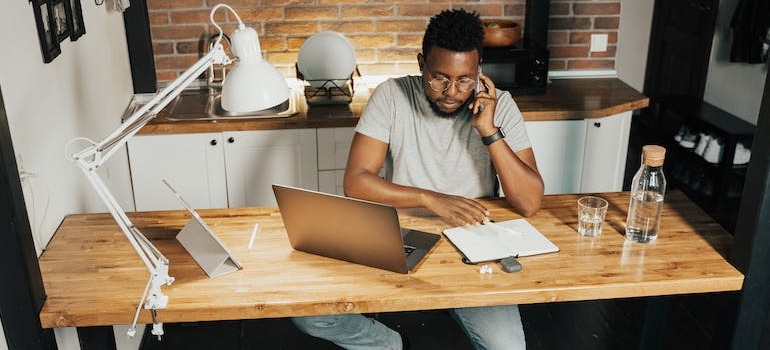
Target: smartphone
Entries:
(479, 85)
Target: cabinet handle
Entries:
(231, 139)
(213, 142)
(598, 125)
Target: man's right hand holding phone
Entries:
(483, 106)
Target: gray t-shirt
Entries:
(432, 152)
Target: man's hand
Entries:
(483, 107)
(457, 210)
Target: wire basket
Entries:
(329, 91)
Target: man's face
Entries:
(458, 68)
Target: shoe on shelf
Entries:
(685, 138)
(703, 142)
(742, 155)
(680, 134)
(713, 152)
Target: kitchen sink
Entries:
(205, 104)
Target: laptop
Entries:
(350, 229)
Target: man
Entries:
(444, 144)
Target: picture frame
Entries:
(46, 32)
(77, 27)
(62, 19)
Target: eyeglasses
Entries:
(442, 84)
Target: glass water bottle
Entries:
(647, 190)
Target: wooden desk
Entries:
(93, 277)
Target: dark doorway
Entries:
(680, 47)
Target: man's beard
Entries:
(443, 114)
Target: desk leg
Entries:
(654, 327)
(96, 338)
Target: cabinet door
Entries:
(333, 147)
(330, 181)
(606, 148)
(257, 159)
(192, 163)
(558, 147)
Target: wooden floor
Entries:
(691, 322)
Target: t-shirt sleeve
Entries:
(509, 118)
(377, 118)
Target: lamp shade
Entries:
(254, 84)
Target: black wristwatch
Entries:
(488, 140)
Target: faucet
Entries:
(216, 79)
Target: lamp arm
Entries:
(98, 153)
(93, 156)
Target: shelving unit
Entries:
(716, 187)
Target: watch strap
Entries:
(488, 140)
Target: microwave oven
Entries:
(521, 71)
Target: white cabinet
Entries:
(333, 149)
(581, 156)
(558, 147)
(193, 163)
(255, 160)
(604, 160)
(219, 170)
(236, 169)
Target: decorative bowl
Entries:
(500, 32)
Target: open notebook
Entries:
(495, 241)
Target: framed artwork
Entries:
(46, 29)
(77, 28)
(62, 18)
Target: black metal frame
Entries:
(22, 295)
(137, 22)
(77, 26)
(62, 18)
(49, 42)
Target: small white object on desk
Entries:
(485, 269)
(253, 234)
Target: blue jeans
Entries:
(487, 328)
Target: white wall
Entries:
(83, 92)
(633, 41)
(734, 87)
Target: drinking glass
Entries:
(591, 211)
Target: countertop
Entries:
(565, 99)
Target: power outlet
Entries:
(598, 42)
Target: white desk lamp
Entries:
(253, 85)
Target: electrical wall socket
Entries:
(598, 42)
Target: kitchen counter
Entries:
(566, 99)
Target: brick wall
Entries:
(386, 35)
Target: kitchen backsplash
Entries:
(386, 35)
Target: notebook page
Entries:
(489, 242)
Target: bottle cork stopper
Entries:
(653, 155)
